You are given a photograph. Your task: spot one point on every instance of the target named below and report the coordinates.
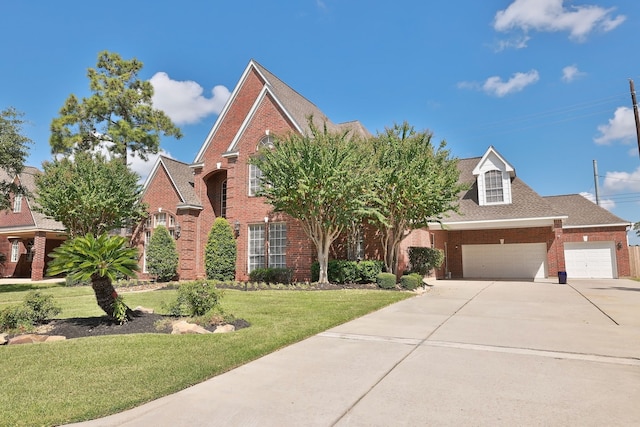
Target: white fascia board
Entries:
(508, 166)
(154, 171)
(247, 120)
(497, 223)
(223, 113)
(621, 224)
(195, 207)
(150, 175)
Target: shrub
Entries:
(271, 275)
(40, 307)
(369, 270)
(36, 308)
(162, 255)
(386, 280)
(343, 271)
(423, 260)
(221, 252)
(195, 299)
(411, 281)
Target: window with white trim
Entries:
(355, 244)
(278, 245)
(147, 239)
(15, 250)
(223, 199)
(493, 187)
(275, 252)
(17, 203)
(255, 175)
(160, 219)
(256, 247)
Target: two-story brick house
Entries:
(504, 228)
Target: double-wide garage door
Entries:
(505, 261)
(590, 260)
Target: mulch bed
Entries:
(77, 327)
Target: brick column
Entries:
(37, 265)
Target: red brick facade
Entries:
(254, 112)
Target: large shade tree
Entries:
(321, 180)
(89, 194)
(416, 183)
(13, 153)
(119, 114)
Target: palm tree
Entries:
(98, 260)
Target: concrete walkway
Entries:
(478, 353)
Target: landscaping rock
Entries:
(35, 338)
(3, 339)
(142, 309)
(223, 329)
(183, 327)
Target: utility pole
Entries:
(595, 179)
(635, 111)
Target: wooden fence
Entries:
(634, 260)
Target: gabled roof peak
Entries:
(492, 155)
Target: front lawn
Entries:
(80, 379)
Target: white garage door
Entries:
(588, 260)
(508, 261)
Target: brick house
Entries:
(504, 229)
(26, 236)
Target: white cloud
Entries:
(621, 127)
(608, 204)
(570, 73)
(143, 167)
(622, 182)
(552, 15)
(519, 42)
(496, 86)
(183, 101)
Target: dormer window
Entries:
(493, 187)
(493, 178)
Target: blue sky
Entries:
(546, 82)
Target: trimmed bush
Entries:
(386, 280)
(195, 298)
(162, 255)
(343, 271)
(411, 281)
(271, 275)
(423, 260)
(221, 252)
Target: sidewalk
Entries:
(466, 353)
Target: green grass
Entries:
(86, 378)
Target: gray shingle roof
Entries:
(300, 108)
(182, 176)
(27, 179)
(526, 203)
(582, 211)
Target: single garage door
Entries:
(589, 260)
(508, 261)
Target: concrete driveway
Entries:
(465, 353)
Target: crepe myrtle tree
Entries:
(89, 194)
(321, 179)
(416, 182)
(13, 153)
(119, 114)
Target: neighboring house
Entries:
(503, 229)
(26, 237)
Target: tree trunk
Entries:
(323, 259)
(106, 295)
